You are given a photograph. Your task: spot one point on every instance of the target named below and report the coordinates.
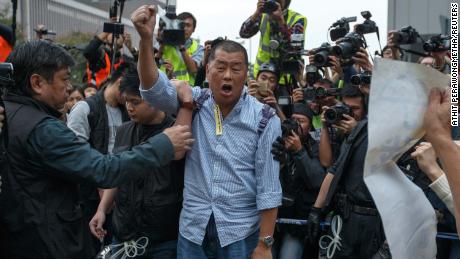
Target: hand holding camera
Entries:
(144, 20)
(293, 142)
(347, 124)
(362, 60)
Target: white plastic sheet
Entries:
(398, 100)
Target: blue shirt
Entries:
(232, 176)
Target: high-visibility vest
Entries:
(5, 49)
(180, 68)
(264, 54)
(97, 78)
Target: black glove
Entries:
(278, 150)
(313, 224)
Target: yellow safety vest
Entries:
(180, 68)
(264, 54)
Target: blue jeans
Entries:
(164, 250)
(211, 249)
(291, 247)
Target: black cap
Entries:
(302, 109)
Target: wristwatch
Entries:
(187, 105)
(267, 241)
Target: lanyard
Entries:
(218, 119)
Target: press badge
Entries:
(218, 118)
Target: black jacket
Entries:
(148, 206)
(40, 195)
(99, 121)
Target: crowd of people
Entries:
(183, 151)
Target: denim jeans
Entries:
(291, 247)
(211, 249)
(164, 250)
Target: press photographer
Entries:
(348, 56)
(362, 234)
(438, 48)
(185, 56)
(264, 87)
(105, 50)
(282, 34)
(300, 177)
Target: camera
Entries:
(6, 76)
(341, 27)
(171, 29)
(312, 75)
(368, 26)
(114, 28)
(262, 90)
(361, 79)
(321, 55)
(335, 113)
(437, 43)
(406, 35)
(286, 102)
(348, 46)
(311, 94)
(270, 6)
(289, 125)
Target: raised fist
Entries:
(144, 20)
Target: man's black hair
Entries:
(187, 15)
(130, 84)
(351, 91)
(124, 68)
(230, 47)
(36, 57)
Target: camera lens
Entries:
(321, 58)
(355, 80)
(331, 116)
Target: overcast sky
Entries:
(224, 18)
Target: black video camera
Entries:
(6, 82)
(321, 55)
(6, 76)
(406, 35)
(341, 27)
(348, 46)
(368, 26)
(312, 74)
(361, 79)
(335, 113)
(311, 94)
(114, 28)
(289, 125)
(270, 6)
(171, 28)
(437, 43)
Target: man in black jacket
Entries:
(362, 232)
(148, 206)
(95, 120)
(301, 177)
(39, 204)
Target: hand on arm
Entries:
(185, 114)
